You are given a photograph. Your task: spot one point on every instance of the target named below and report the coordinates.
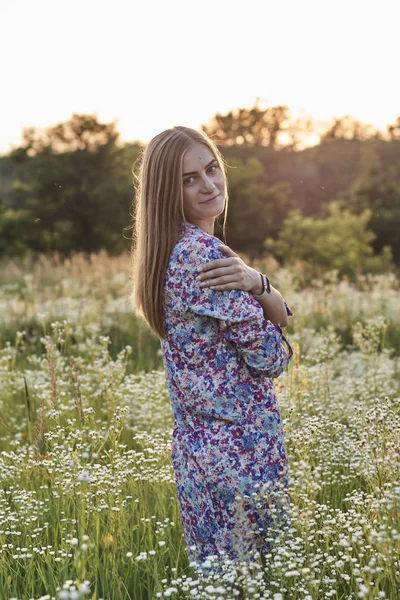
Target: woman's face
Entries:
(203, 187)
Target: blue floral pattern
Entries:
(228, 449)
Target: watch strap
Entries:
(266, 287)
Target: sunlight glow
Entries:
(151, 65)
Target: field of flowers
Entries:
(88, 506)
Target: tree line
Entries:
(333, 205)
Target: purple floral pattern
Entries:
(219, 355)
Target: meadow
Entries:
(88, 506)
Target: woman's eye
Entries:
(213, 168)
(188, 180)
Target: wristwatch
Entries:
(266, 287)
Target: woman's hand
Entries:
(230, 273)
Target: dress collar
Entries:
(190, 226)
(194, 229)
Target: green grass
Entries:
(87, 491)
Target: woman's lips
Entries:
(211, 199)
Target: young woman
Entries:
(219, 325)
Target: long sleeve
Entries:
(239, 317)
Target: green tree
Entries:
(379, 191)
(255, 210)
(75, 188)
(256, 126)
(340, 241)
(81, 132)
(394, 130)
(350, 129)
(14, 226)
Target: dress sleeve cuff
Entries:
(289, 312)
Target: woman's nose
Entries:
(208, 185)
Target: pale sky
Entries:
(154, 64)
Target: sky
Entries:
(153, 64)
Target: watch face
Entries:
(266, 284)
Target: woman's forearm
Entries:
(274, 307)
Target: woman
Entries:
(219, 325)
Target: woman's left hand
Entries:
(230, 274)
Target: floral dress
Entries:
(228, 450)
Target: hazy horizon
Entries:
(150, 66)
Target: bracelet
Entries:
(266, 287)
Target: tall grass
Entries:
(88, 505)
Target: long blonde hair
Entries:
(158, 212)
